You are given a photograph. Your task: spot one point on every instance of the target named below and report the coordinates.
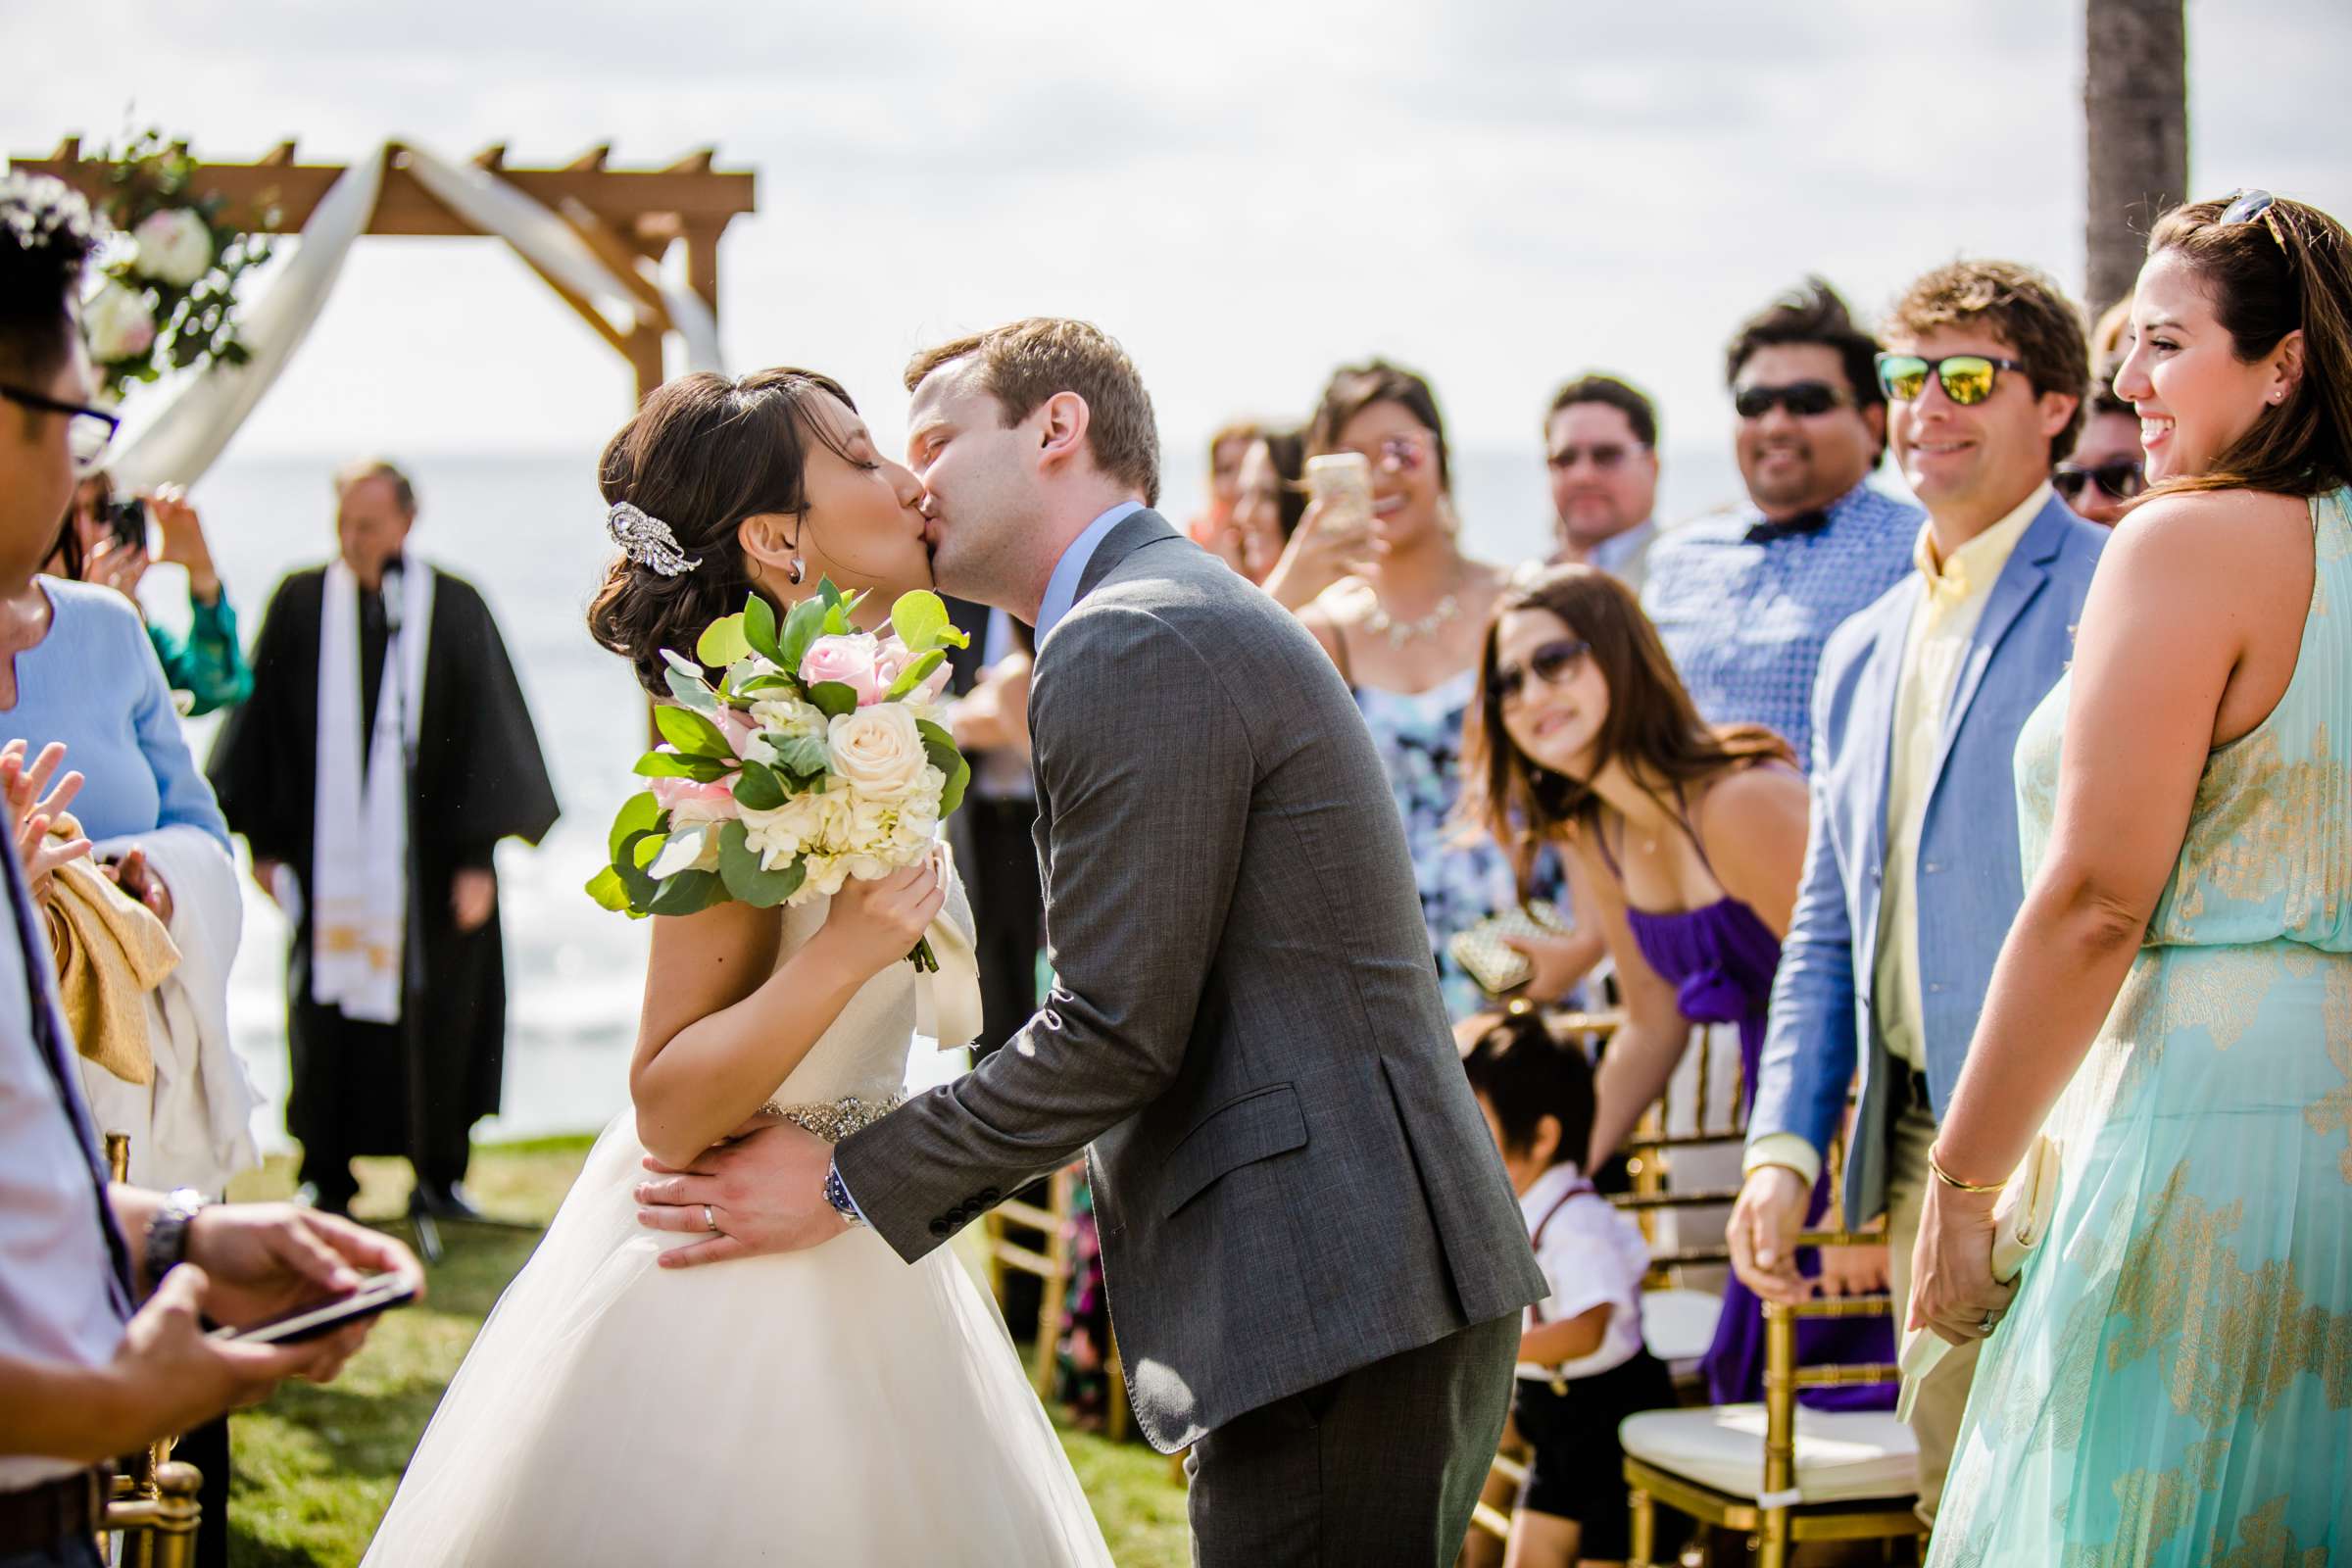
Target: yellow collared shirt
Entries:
(1941, 627)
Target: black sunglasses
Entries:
(1800, 398)
(2121, 478)
(1552, 664)
(88, 432)
(1967, 378)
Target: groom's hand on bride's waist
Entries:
(763, 1192)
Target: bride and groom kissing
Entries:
(1314, 1260)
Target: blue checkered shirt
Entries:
(1745, 620)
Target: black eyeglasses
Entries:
(1803, 398)
(1968, 379)
(1552, 664)
(88, 432)
(2121, 478)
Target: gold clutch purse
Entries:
(1485, 957)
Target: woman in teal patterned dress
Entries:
(2172, 1381)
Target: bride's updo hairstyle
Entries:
(2288, 266)
(704, 453)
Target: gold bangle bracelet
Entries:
(1950, 1180)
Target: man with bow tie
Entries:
(1745, 598)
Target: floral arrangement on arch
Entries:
(797, 754)
(168, 283)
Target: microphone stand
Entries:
(411, 947)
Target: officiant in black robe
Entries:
(477, 777)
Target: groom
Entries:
(1314, 1259)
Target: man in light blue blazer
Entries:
(1912, 871)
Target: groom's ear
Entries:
(1061, 422)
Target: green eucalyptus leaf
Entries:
(940, 747)
(671, 764)
(915, 674)
(692, 691)
(606, 889)
(637, 814)
(833, 699)
(687, 893)
(803, 754)
(722, 642)
(750, 882)
(759, 627)
(757, 789)
(918, 617)
(691, 734)
(803, 626)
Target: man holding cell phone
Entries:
(103, 1290)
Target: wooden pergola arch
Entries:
(622, 214)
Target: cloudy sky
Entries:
(1244, 193)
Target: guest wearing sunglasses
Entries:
(1745, 598)
(1912, 873)
(1400, 610)
(1688, 838)
(2106, 472)
(2174, 1003)
(1600, 444)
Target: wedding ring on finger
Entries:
(711, 1224)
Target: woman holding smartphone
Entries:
(105, 542)
(1377, 574)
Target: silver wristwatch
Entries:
(165, 1244)
(836, 1193)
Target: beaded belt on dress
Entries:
(835, 1119)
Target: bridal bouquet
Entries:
(817, 756)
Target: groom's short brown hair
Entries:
(1024, 363)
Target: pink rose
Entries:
(689, 802)
(892, 661)
(849, 660)
(737, 726)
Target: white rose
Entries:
(877, 750)
(175, 247)
(117, 324)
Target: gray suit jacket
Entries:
(1291, 1176)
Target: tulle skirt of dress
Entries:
(836, 1406)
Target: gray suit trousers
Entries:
(1378, 1466)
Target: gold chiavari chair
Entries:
(1779, 1472)
(153, 1507)
(1053, 1268)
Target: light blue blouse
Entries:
(93, 683)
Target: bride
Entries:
(836, 1406)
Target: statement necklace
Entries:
(1401, 632)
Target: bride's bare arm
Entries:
(723, 1023)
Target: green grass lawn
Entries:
(315, 1467)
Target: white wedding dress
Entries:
(836, 1406)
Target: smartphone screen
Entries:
(376, 1294)
(127, 520)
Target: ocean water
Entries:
(527, 531)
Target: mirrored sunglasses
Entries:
(1968, 379)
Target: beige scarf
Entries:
(110, 952)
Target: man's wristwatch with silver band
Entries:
(166, 1244)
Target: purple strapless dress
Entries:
(1720, 959)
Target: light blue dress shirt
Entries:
(1061, 589)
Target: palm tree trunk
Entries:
(2136, 105)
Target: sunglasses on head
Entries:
(1801, 398)
(1967, 378)
(2121, 478)
(1552, 664)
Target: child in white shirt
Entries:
(1583, 1367)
